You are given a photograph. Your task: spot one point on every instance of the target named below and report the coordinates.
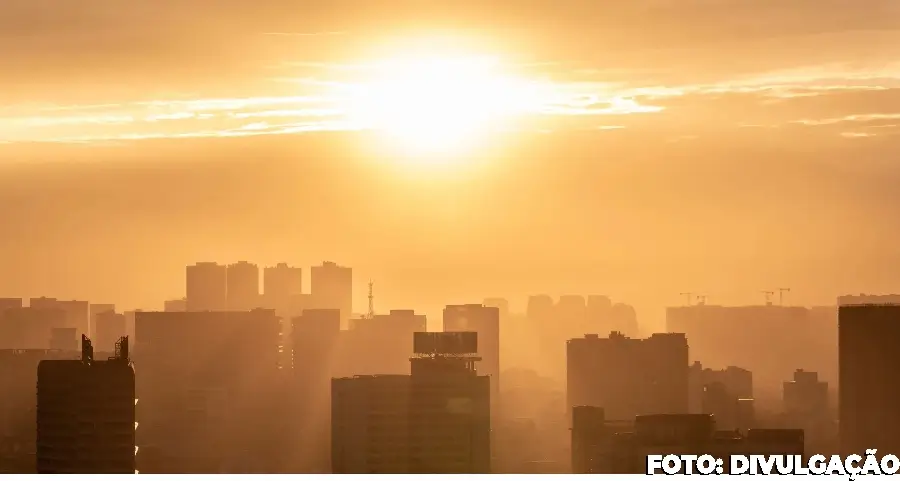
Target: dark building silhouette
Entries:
(86, 414)
(242, 282)
(629, 377)
(18, 407)
(434, 421)
(332, 288)
(315, 347)
(613, 449)
(10, 303)
(212, 396)
(486, 322)
(725, 393)
(206, 287)
(806, 407)
(868, 338)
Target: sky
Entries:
(658, 146)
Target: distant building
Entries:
(769, 340)
(868, 338)
(806, 407)
(243, 286)
(611, 450)
(316, 357)
(486, 322)
(718, 392)
(501, 304)
(629, 377)
(64, 339)
(175, 305)
(18, 410)
(93, 311)
(332, 288)
(29, 327)
(76, 312)
(212, 396)
(109, 327)
(207, 287)
(10, 303)
(434, 421)
(86, 414)
(279, 284)
(382, 344)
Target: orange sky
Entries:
(720, 146)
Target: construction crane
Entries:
(687, 297)
(768, 295)
(371, 312)
(781, 291)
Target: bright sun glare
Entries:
(431, 107)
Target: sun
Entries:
(435, 107)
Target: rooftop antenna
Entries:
(781, 291)
(768, 295)
(687, 297)
(371, 313)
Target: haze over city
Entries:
(625, 158)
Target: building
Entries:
(29, 327)
(746, 336)
(18, 409)
(615, 449)
(175, 305)
(315, 359)
(10, 303)
(629, 377)
(93, 311)
(86, 414)
(806, 407)
(242, 286)
(76, 312)
(381, 344)
(434, 421)
(279, 284)
(108, 328)
(501, 304)
(332, 288)
(212, 395)
(720, 392)
(868, 338)
(206, 287)
(64, 339)
(486, 322)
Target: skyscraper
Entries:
(86, 414)
(332, 288)
(242, 286)
(868, 335)
(207, 287)
(280, 283)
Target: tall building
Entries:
(242, 286)
(501, 304)
(486, 322)
(86, 414)
(806, 407)
(207, 287)
(211, 392)
(629, 377)
(868, 337)
(29, 327)
(280, 283)
(434, 421)
(315, 348)
(332, 288)
(64, 338)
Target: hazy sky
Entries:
(722, 146)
